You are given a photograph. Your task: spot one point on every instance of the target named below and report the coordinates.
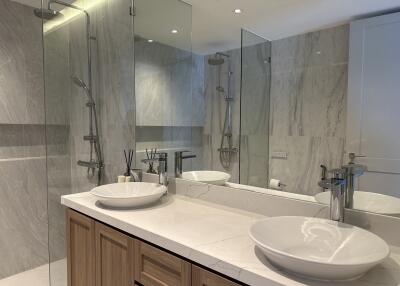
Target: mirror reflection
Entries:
(302, 116)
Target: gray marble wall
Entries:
(169, 89)
(23, 195)
(304, 118)
(308, 106)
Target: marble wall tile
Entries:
(308, 106)
(298, 97)
(20, 65)
(325, 47)
(23, 215)
(301, 170)
(164, 87)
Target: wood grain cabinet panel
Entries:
(203, 277)
(99, 255)
(80, 250)
(114, 257)
(154, 267)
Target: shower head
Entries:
(220, 89)
(77, 81)
(216, 61)
(46, 14)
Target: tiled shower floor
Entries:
(40, 276)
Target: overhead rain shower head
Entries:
(46, 14)
(218, 59)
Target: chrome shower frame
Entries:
(93, 137)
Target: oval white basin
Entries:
(208, 177)
(318, 248)
(365, 201)
(129, 194)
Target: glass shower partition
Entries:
(163, 81)
(255, 109)
(89, 95)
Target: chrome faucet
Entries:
(337, 185)
(353, 171)
(179, 162)
(163, 169)
(162, 159)
(342, 187)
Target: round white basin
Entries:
(370, 202)
(129, 194)
(208, 177)
(318, 248)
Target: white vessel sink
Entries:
(208, 177)
(318, 248)
(129, 194)
(371, 202)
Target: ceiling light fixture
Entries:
(174, 31)
(238, 11)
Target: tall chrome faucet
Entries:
(353, 171)
(341, 185)
(163, 168)
(179, 162)
(162, 159)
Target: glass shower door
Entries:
(89, 91)
(254, 109)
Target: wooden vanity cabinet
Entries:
(99, 255)
(154, 267)
(201, 277)
(114, 257)
(80, 249)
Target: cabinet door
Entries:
(114, 257)
(80, 249)
(203, 277)
(154, 267)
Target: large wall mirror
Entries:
(271, 115)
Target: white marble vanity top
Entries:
(214, 236)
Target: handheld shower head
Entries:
(77, 81)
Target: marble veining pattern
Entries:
(214, 236)
(308, 107)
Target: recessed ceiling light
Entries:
(150, 41)
(174, 31)
(238, 11)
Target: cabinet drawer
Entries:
(154, 267)
(203, 277)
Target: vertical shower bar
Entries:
(92, 111)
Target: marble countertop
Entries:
(214, 236)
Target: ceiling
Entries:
(217, 28)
